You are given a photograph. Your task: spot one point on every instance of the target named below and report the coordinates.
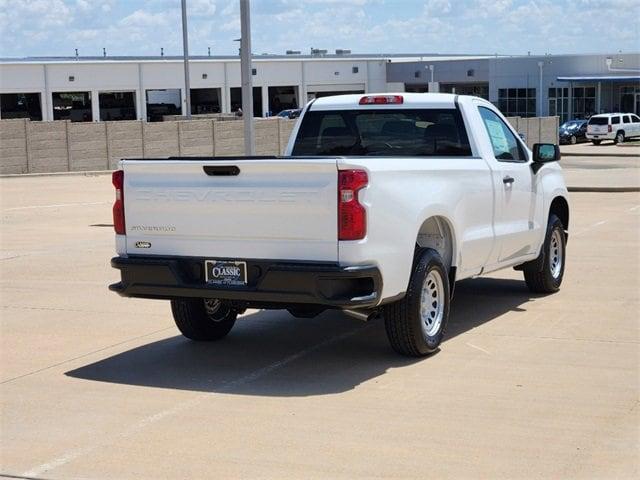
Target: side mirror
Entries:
(523, 137)
(544, 153)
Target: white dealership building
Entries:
(125, 88)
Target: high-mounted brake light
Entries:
(352, 216)
(382, 100)
(117, 178)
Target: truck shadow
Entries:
(271, 353)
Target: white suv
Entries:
(613, 126)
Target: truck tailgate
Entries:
(232, 208)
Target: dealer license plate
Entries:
(230, 273)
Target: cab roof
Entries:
(410, 100)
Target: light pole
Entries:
(245, 72)
(185, 53)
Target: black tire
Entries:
(619, 138)
(596, 142)
(573, 140)
(539, 274)
(200, 322)
(403, 320)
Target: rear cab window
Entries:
(599, 121)
(383, 132)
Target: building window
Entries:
(20, 105)
(282, 98)
(74, 106)
(559, 103)
(629, 99)
(235, 94)
(161, 103)
(583, 102)
(517, 102)
(477, 90)
(117, 106)
(205, 100)
(355, 70)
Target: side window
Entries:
(626, 119)
(615, 120)
(635, 118)
(505, 145)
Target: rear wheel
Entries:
(544, 275)
(203, 319)
(415, 325)
(596, 142)
(619, 138)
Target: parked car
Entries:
(290, 113)
(613, 126)
(573, 131)
(380, 204)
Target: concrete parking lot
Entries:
(97, 386)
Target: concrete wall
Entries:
(124, 141)
(536, 129)
(13, 147)
(38, 147)
(35, 147)
(48, 146)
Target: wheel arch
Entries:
(560, 207)
(437, 232)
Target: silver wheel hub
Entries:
(556, 254)
(432, 303)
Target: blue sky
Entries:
(141, 27)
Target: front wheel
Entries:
(596, 142)
(573, 140)
(415, 325)
(203, 319)
(544, 275)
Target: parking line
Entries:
(478, 348)
(56, 205)
(156, 417)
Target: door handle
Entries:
(508, 180)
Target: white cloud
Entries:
(130, 27)
(201, 7)
(142, 18)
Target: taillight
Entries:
(382, 100)
(352, 216)
(609, 128)
(117, 178)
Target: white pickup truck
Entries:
(380, 204)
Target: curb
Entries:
(612, 155)
(92, 173)
(604, 189)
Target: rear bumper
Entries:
(269, 283)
